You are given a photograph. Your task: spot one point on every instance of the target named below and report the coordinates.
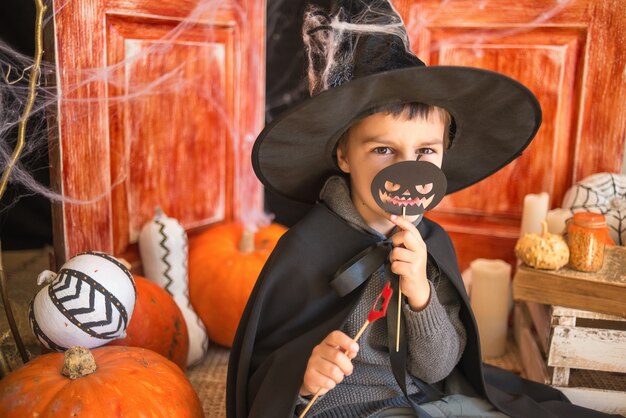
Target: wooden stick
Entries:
(317, 394)
(399, 298)
(310, 404)
(358, 334)
(374, 314)
(399, 313)
(32, 94)
(40, 8)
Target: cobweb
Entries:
(132, 91)
(330, 52)
(330, 39)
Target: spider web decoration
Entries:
(603, 193)
(330, 39)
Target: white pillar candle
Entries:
(534, 211)
(491, 288)
(556, 220)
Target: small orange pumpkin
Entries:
(104, 382)
(157, 324)
(224, 263)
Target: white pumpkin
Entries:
(164, 255)
(603, 193)
(88, 303)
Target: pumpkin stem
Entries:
(46, 276)
(79, 362)
(544, 228)
(125, 263)
(246, 245)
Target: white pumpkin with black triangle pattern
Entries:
(89, 302)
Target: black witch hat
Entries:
(359, 60)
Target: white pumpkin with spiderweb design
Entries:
(603, 193)
(88, 303)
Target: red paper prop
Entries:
(385, 295)
(382, 299)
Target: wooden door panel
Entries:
(560, 51)
(79, 151)
(545, 164)
(158, 103)
(176, 162)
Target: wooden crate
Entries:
(580, 352)
(602, 291)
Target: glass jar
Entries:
(586, 238)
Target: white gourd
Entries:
(603, 193)
(164, 256)
(88, 303)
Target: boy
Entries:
(366, 113)
(435, 333)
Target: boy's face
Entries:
(378, 141)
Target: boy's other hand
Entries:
(408, 260)
(329, 363)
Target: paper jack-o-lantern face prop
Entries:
(417, 186)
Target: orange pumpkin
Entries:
(103, 382)
(223, 267)
(157, 324)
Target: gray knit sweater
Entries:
(435, 336)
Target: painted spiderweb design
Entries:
(603, 193)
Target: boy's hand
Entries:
(328, 364)
(408, 260)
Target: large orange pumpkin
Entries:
(157, 324)
(223, 267)
(127, 382)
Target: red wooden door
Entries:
(572, 55)
(159, 104)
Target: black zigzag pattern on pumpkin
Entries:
(41, 336)
(68, 278)
(64, 283)
(166, 273)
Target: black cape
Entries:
(293, 307)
